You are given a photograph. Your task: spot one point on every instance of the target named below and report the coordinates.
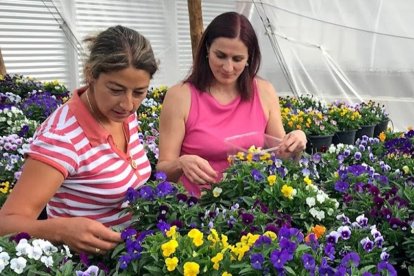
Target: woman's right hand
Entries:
(197, 169)
(87, 235)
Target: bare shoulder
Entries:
(179, 90)
(177, 100)
(267, 91)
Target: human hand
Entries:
(87, 235)
(293, 143)
(197, 169)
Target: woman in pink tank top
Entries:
(222, 97)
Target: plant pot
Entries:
(344, 137)
(318, 143)
(365, 130)
(381, 127)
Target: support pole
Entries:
(196, 23)
(2, 65)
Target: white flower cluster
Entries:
(37, 250)
(11, 97)
(12, 119)
(316, 203)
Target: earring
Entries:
(207, 56)
(247, 64)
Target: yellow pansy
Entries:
(213, 237)
(240, 155)
(197, 237)
(307, 180)
(169, 248)
(271, 179)
(216, 260)
(270, 234)
(172, 233)
(4, 187)
(406, 169)
(288, 191)
(171, 263)
(191, 269)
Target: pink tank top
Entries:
(209, 123)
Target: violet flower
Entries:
(256, 260)
(367, 244)
(384, 265)
(308, 262)
(91, 271)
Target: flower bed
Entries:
(348, 211)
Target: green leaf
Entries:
(154, 270)
(290, 270)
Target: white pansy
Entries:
(313, 212)
(321, 196)
(35, 253)
(23, 248)
(311, 188)
(217, 191)
(320, 215)
(47, 260)
(310, 201)
(332, 149)
(4, 260)
(18, 264)
(66, 251)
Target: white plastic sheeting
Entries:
(341, 50)
(351, 50)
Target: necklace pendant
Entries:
(133, 164)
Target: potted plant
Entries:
(319, 129)
(383, 117)
(369, 119)
(348, 120)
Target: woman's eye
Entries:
(116, 91)
(138, 94)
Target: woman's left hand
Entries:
(293, 143)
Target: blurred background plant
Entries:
(148, 118)
(24, 104)
(346, 117)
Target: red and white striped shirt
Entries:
(97, 174)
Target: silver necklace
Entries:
(93, 110)
(132, 161)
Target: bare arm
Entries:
(174, 113)
(37, 184)
(293, 142)
(175, 108)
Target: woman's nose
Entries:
(127, 102)
(228, 65)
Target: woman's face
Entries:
(119, 94)
(227, 58)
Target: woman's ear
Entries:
(87, 73)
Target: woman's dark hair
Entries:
(118, 48)
(228, 25)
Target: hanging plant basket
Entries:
(318, 143)
(381, 127)
(365, 130)
(344, 137)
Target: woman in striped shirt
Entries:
(87, 154)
